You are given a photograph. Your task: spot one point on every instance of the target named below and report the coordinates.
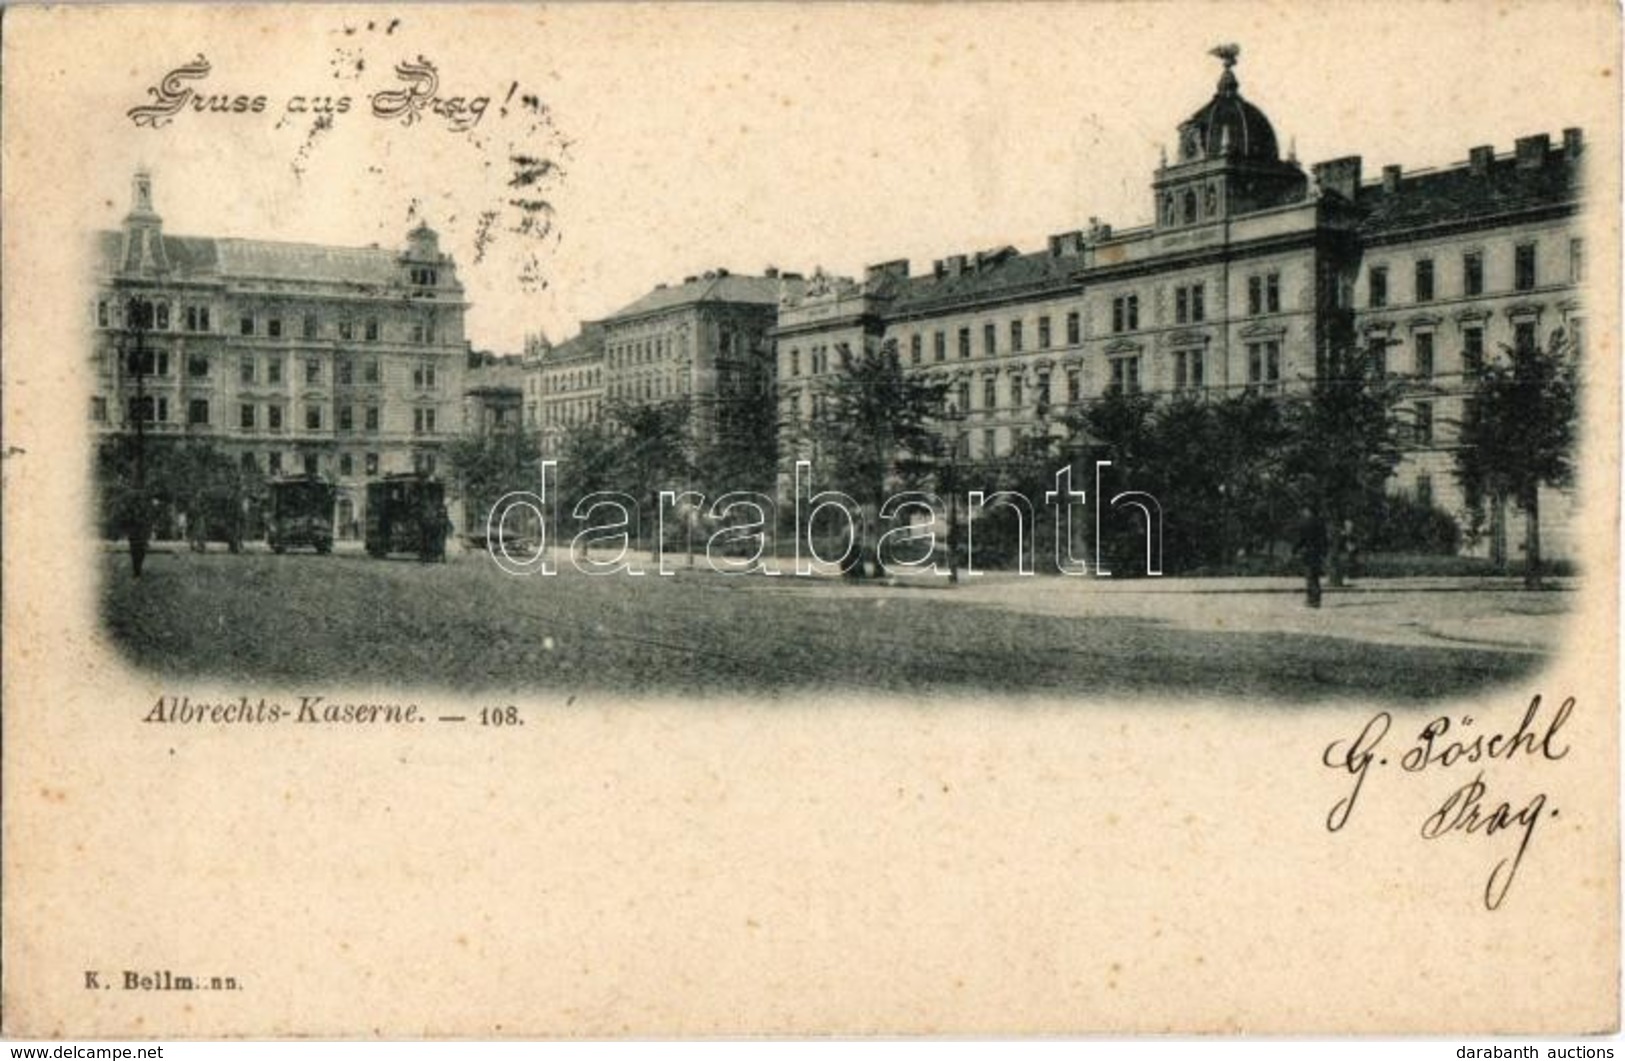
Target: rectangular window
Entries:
(273, 370)
(1424, 423)
(273, 328)
(941, 346)
(1255, 295)
(372, 464)
(990, 393)
(1424, 489)
(344, 369)
(915, 352)
(962, 397)
(313, 370)
(312, 464)
(372, 329)
(197, 318)
(990, 341)
(103, 315)
(1272, 293)
(1379, 286)
(990, 443)
(346, 418)
(250, 465)
(371, 371)
(1017, 341)
(795, 362)
(346, 330)
(1043, 393)
(418, 332)
(1424, 355)
(1074, 328)
(161, 316)
(1424, 280)
(1472, 273)
(1577, 261)
(308, 328)
(1188, 367)
(197, 366)
(197, 412)
(275, 463)
(1523, 267)
(1264, 364)
(1472, 349)
(1126, 313)
(964, 342)
(245, 416)
(1182, 307)
(313, 418)
(1016, 396)
(371, 420)
(273, 417)
(1043, 333)
(1198, 303)
(1126, 375)
(98, 409)
(245, 324)
(1523, 336)
(346, 465)
(1074, 385)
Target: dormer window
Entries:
(423, 276)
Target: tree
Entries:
(1344, 441)
(1518, 432)
(491, 464)
(877, 430)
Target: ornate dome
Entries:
(1228, 126)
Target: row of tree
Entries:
(1234, 472)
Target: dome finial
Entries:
(1227, 54)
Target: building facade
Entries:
(292, 358)
(1251, 271)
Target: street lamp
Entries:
(137, 320)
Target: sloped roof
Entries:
(1009, 275)
(728, 288)
(207, 258)
(1457, 194)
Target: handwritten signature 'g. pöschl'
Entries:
(1444, 744)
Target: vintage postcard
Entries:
(648, 520)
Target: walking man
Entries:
(1312, 549)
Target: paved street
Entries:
(361, 622)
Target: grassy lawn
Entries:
(348, 620)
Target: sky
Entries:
(669, 140)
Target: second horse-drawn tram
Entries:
(407, 514)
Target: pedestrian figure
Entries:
(1311, 549)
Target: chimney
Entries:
(1531, 151)
(771, 272)
(956, 264)
(1340, 175)
(1066, 245)
(1572, 144)
(1390, 179)
(897, 268)
(1479, 159)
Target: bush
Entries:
(1406, 524)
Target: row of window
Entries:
(565, 382)
(1525, 274)
(346, 371)
(643, 351)
(310, 463)
(155, 409)
(195, 318)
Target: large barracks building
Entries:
(1251, 267)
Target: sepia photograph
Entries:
(808, 519)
